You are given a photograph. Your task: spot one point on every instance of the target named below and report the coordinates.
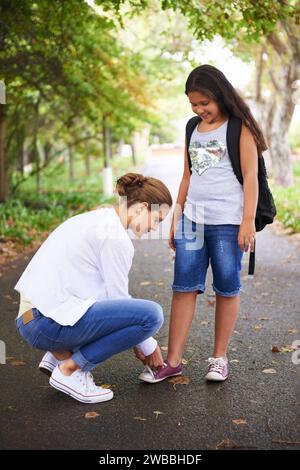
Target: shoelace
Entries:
(87, 380)
(152, 371)
(216, 363)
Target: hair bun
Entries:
(129, 182)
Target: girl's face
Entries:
(141, 220)
(205, 107)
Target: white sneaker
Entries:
(48, 363)
(79, 385)
(218, 369)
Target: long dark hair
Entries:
(210, 81)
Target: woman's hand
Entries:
(139, 355)
(155, 360)
(246, 235)
(171, 238)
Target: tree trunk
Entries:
(87, 162)
(35, 150)
(106, 143)
(71, 164)
(3, 160)
(280, 113)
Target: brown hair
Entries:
(210, 81)
(139, 188)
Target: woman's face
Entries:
(142, 219)
(205, 107)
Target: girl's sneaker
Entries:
(153, 376)
(48, 363)
(218, 369)
(79, 385)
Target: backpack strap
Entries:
(233, 136)
(190, 126)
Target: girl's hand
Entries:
(171, 238)
(139, 355)
(246, 235)
(155, 360)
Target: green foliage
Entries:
(287, 201)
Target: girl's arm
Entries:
(181, 198)
(249, 167)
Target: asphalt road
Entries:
(251, 410)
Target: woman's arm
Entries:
(181, 198)
(249, 167)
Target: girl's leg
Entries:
(226, 257)
(182, 314)
(227, 309)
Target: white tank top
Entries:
(215, 196)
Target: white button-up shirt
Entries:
(84, 260)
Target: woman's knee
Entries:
(155, 314)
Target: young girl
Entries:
(74, 292)
(218, 222)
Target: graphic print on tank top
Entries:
(205, 155)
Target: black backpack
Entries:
(266, 209)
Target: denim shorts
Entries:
(195, 245)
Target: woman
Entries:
(74, 292)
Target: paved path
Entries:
(194, 416)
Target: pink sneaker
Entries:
(153, 376)
(218, 369)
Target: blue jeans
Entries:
(107, 328)
(196, 244)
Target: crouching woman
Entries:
(74, 300)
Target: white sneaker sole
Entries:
(213, 377)
(148, 378)
(78, 396)
(46, 367)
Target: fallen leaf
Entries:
(164, 348)
(288, 349)
(17, 363)
(284, 349)
(233, 349)
(239, 421)
(205, 322)
(226, 444)
(185, 362)
(257, 327)
(179, 380)
(107, 386)
(211, 303)
(145, 283)
(264, 318)
(91, 415)
(157, 413)
(292, 330)
(269, 371)
(160, 284)
(234, 361)
(140, 418)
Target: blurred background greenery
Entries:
(91, 87)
